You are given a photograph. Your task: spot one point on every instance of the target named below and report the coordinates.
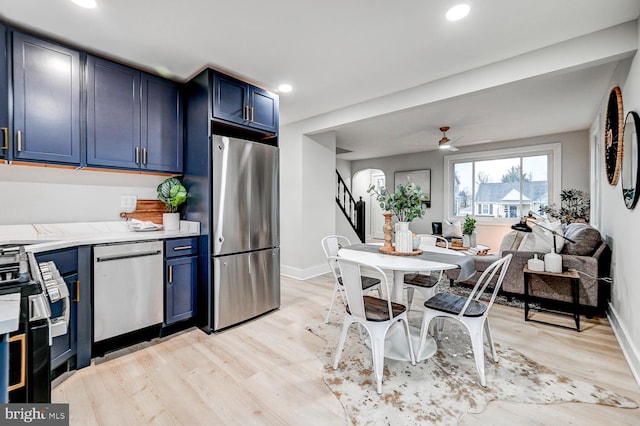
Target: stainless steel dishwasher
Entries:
(127, 288)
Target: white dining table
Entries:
(396, 347)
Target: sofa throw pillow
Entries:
(540, 240)
(511, 241)
(451, 229)
(587, 239)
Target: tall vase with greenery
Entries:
(172, 193)
(407, 203)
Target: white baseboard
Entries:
(304, 274)
(629, 350)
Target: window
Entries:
(484, 209)
(502, 184)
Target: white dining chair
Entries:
(331, 244)
(424, 283)
(373, 314)
(469, 311)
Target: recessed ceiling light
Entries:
(458, 12)
(285, 88)
(87, 4)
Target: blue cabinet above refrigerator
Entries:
(241, 104)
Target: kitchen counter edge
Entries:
(104, 233)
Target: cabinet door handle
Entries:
(182, 248)
(170, 274)
(77, 299)
(19, 140)
(23, 361)
(251, 114)
(137, 155)
(247, 112)
(5, 132)
(144, 156)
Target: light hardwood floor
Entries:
(266, 372)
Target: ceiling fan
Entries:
(445, 142)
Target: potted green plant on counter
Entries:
(172, 193)
(469, 232)
(407, 203)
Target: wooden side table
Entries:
(574, 278)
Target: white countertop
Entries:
(53, 236)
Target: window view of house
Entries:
(501, 187)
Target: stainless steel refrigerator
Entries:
(245, 230)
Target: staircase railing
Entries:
(353, 210)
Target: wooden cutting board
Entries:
(147, 210)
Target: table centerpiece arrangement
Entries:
(407, 204)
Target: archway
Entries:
(374, 220)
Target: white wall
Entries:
(622, 229)
(307, 202)
(290, 200)
(344, 168)
(37, 194)
(575, 169)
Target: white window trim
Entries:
(554, 150)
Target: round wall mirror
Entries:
(613, 125)
(630, 181)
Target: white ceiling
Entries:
(340, 53)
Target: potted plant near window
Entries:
(407, 203)
(469, 232)
(575, 206)
(172, 193)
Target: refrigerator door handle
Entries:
(249, 262)
(223, 146)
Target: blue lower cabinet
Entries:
(180, 288)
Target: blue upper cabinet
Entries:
(4, 94)
(46, 101)
(264, 109)
(231, 99)
(240, 103)
(113, 115)
(162, 128)
(134, 120)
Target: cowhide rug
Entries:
(445, 387)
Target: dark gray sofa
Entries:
(589, 255)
